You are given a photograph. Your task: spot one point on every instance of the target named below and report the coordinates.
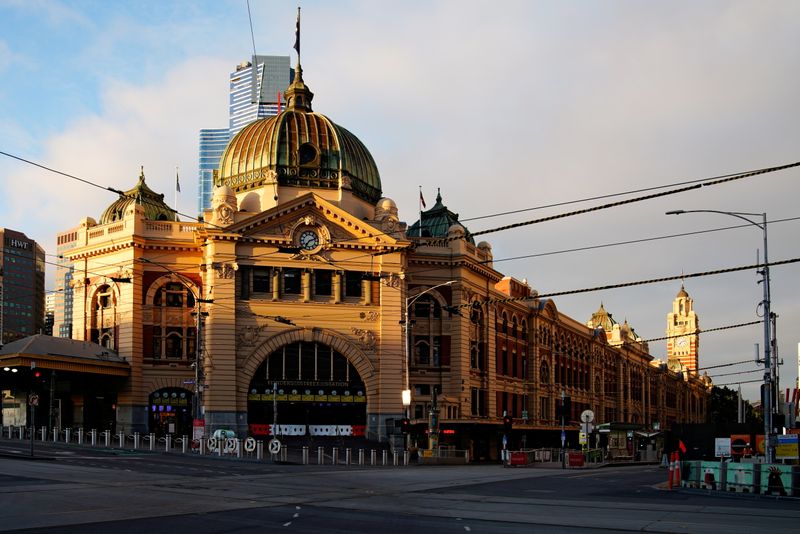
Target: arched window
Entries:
(514, 326)
(544, 373)
(103, 319)
(174, 329)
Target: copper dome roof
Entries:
(155, 209)
(300, 148)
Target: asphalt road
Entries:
(88, 491)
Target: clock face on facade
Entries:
(309, 240)
(682, 342)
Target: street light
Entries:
(406, 394)
(769, 368)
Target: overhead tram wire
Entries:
(726, 364)
(600, 197)
(697, 184)
(738, 383)
(631, 284)
(738, 373)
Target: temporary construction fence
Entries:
(764, 479)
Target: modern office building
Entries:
(256, 87)
(254, 94)
(21, 286)
(212, 144)
(62, 311)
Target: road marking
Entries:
(287, 524)
(295, 516)
(467, 528)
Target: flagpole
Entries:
(420, 211)
(177, 190)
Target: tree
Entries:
(722, 406)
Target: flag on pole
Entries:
(177, 181)
(297, 33)
(681, 446)
(421, 199)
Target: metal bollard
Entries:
(44, 433)
(305, 455)
(152, 441)
(184, 443)
(384, 455)
(168, 443)
(320, 456)
(80, 436)
(405, 457)
(284, 453)
(372, 457)
(394, 458)
(202, 446)
(360, 456)
(238, 448)
(135, 440)
(335, 456)
(67, 435)
(347, 456)
(93, 433)
(259, 450)
(121, 440)
(55, 435)
(107, 434)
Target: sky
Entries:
(501, 105)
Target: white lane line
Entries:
(287, 524)
(295, 516)
(467, 528)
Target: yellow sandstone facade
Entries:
(302, 290)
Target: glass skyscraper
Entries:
(253, 95)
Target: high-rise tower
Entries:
(683, 327)
(21, 286)
(254, 94)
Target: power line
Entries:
(725, 365)
(738, 373)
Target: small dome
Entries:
(485, 246)
(437, 222)
(386, 207)
(155, 209)
(456, 230)
(682, 293)
(299, 148)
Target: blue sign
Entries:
(563, 437)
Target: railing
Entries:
(248, 449)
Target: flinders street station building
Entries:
(302, 304)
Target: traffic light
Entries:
(508, 422)
(405, 425)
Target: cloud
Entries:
(152, 126)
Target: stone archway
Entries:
(317, 381)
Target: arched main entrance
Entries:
(170, 412)
(307, 387)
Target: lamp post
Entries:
(768, 399)
(406, 393)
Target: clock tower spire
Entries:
(683, 327)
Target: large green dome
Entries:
(299, 148)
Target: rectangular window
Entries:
(323, 283)
(292, 279)
(352, 283)
(544, 408)
(261, 279)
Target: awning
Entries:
(62, 354)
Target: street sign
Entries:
(33, 400)
(563, 437)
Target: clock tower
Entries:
(683, 328)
